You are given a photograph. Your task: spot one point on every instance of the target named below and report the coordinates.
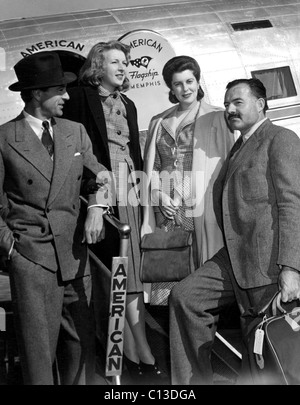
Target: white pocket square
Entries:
(77, 154)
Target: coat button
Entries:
(29, 181)
(123, 147)
(118, 112)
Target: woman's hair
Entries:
(93, 68)
(179, 64)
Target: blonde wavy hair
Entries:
(92, 70)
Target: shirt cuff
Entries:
(11, 250)
(106, 208)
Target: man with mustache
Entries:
(257, 205)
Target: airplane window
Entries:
(251, 25)
(278, 82)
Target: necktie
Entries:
(236, 146)
(47, 140)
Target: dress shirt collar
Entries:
(251, 131)
(36, 124)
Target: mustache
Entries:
(233, 116)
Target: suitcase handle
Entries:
(275, 304)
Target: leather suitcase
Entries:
(275, 347)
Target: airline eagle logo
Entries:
(143, 61)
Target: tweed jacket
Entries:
(212, 142)
(85, 102)
(39, 198)
(257, 204)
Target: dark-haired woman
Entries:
(186, 145)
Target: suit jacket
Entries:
(257, 204)
(39, 198)
(85, 107)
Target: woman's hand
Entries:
(167, 205)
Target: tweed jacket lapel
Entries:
(31, 148)
(64, 149)
(95, 105)
(247, 149)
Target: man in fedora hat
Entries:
(45, 163)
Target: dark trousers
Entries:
(53, 321)
(195, 305)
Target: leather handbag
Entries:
(275, 346)
(166, 256)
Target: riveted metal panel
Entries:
(202, 29)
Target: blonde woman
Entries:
(110, 118)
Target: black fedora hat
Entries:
(42, 69)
